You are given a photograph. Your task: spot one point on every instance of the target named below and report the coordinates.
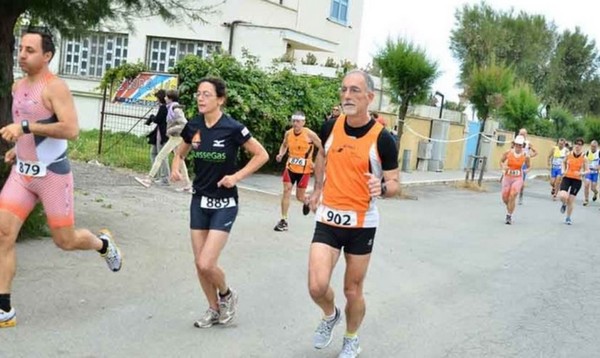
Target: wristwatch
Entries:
(25, 126)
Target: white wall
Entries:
(306, 17)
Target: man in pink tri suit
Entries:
(44, 118)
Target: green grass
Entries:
(118, 149)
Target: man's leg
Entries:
(282, 224)
(285, 200)
(356, 271)
(10, 225)
(68, 238)
(586, 191)
(322, 260)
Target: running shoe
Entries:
(350, 348)
(323, 333)
(228, 307)
(305, 209)
(282, 225)
(552, 192)
(595, 197)
(508, 220)
(8, 319)
(145, 182)
(568, 221)
(586, 203)
(563, 208)
(113, 254)
(210, 318)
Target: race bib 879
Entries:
(31, 169)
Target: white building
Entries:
(268, 29)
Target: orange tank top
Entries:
(346, 201)
(300, 152)
(515, 164)
(574, 166)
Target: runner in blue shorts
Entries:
(555, 161)
(591, 179)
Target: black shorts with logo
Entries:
(571, 185)
(211, 218)
(355, 241)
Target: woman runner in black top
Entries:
(214, 140)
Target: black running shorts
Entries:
(212, 214)
(573, 184)
(355, 241)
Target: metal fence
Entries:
(123, 129)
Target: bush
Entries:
(262, 100)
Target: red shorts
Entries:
(299, 179)
(20, 194)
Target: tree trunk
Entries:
(401, 116)
(8, 19)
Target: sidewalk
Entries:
(271, 184)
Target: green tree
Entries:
(561, 119)
(542, 127)
(573, 73)
(409, 74)
(487, 89)
(520, 108)
(592, 128)
(522, 41)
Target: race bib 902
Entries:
(339, 217)
(217, 203)
(31, 169)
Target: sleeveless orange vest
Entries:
(300, 152)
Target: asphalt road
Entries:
(447, 279)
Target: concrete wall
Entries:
(417, 128)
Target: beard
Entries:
(350, 110)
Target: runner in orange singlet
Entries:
(299, 142)
(359, 153)
(575, 168)
(513, 163)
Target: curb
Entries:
(456, 180)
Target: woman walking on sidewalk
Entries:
(175, 123)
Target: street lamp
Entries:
(437, 93)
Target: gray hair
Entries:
(594, 142)
(368, 79)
